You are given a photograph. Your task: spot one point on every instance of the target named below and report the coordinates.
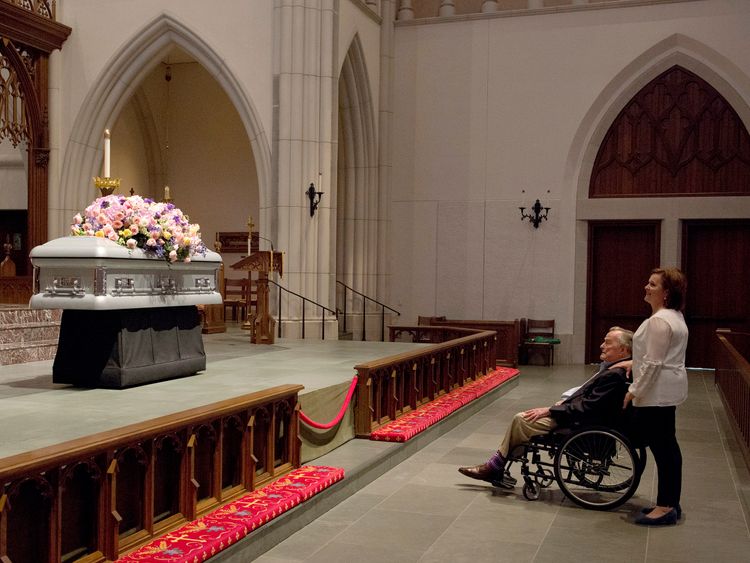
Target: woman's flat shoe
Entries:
(668, 519)
(649, 509)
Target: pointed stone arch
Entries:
(117, 83)
(676, 137)
(676, 50)
(358, 198)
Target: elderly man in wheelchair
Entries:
(594, 464)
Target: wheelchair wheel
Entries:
(598, 469)
(544, 477)
(531, 490)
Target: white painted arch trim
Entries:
(728, 79)
(120, 78)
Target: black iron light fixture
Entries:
(315, 198)
(537, 216)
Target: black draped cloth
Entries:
(126, 347)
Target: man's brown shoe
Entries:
(482, 472)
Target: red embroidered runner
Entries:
(428, 414)
(206, 536)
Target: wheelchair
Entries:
(595, 467)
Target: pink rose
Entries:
(131, 243)
(173, 256)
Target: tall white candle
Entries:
(166, 192)
(106, 153)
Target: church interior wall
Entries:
(356, 20)
(486, 113)
(130, 159)
(82, 68)
(238, 30)
(209, 154)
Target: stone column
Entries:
(304, 141)
(447, 8)
(405, 11)
(385, 127)
(489, 6)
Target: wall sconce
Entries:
(537, 217)
(315, 198)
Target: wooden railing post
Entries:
(363, 410)
(113, 518)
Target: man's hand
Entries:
(628, 397)
(532, 415)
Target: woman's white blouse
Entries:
(659, 376)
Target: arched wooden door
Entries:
(677, 137)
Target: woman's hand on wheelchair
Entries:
(628, 397)
(533, 415)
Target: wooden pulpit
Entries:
(262, 324)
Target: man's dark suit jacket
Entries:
(598, 401)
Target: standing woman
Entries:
(659, 385)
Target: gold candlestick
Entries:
(106, 185)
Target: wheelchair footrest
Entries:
(507, 482)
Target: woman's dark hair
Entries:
(675, 284)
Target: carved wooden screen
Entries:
(677, 137)
(28, 34)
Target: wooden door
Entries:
(621, 254)
(716, 261)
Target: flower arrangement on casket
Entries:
(158, 228)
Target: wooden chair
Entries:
(236, 293)
(535, 340)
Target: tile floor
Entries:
(424, 510)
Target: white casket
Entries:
(129, 318)
(95, 273)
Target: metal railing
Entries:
(365, 300)
(305, 300)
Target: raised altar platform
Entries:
(159, 456)
(233, 367)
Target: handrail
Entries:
(732, 378)
(274, 445)
(390, 387)
(367, 298)
(60, 454)
(304, 300)
(453, 341)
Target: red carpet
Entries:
(205, 537)
(425, 416)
